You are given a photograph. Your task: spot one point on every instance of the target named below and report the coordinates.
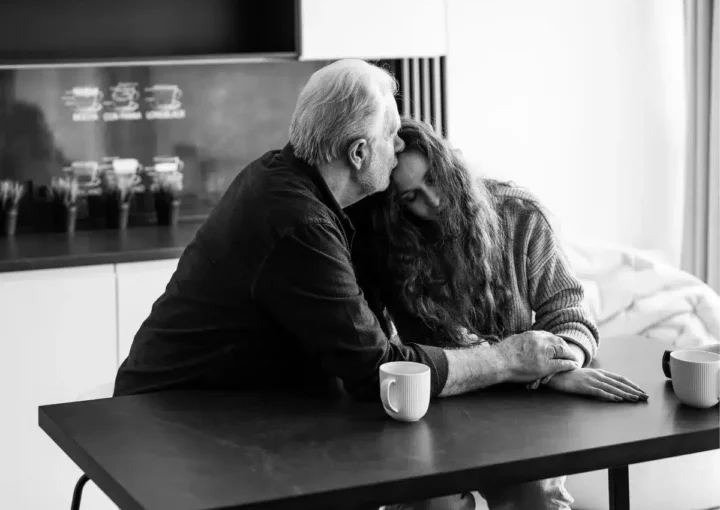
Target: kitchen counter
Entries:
(90, 247)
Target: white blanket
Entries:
(633, 292)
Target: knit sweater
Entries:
(546, 295)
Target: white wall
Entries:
(581, 101)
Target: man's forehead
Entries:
(392, 117)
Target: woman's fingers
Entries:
(627, 388)
(615, 389)
(604, 395)
(537, 382)
(624, 383)
(546, 379)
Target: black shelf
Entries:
(78, 31)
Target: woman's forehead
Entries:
(411, 168)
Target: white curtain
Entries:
(701, 233)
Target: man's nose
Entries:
(399, 144)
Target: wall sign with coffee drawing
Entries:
(86, 101)
(163, 101)
(123, 104)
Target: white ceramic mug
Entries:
(696, 377)
(168, 164)
(125, 166)
(405, 389)
(85, 173)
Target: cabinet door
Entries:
(372, 29)
(58, 338)
(139, 286)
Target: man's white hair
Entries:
(338, 105)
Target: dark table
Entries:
(201, 451)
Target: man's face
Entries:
(384, 148)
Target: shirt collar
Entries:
(325, 195)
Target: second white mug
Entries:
(696, 377)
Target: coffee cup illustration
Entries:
(164, 97)
(124, 96)
(87, 99)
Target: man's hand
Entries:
(577, 354)
(599, 384)
(533, 355)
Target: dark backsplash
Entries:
(214, 118)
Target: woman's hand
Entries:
(598, 383)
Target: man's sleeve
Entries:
(308, 285)
(556, 295)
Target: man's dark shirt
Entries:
(265, 297)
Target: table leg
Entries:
(619, 487)
(77, 493)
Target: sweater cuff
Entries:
(436, 359)
(584, 340)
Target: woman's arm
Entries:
(555, 294)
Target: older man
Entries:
(265, 296)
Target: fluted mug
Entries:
(696, 377)
(405, 389)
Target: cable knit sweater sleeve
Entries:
(555, 294)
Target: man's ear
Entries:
(358, 152)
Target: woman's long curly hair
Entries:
(449, 271)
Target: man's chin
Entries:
(385, 185)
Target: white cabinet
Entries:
(58, 341)
(372, 29)
(63, 333)
(139, 284)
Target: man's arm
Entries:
(473, 368)
(519, 358)
(308, 286)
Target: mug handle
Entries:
(385, 394)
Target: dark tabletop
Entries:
(183, 450)
(88, 247)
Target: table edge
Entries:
(425, 486)
(87, 465)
